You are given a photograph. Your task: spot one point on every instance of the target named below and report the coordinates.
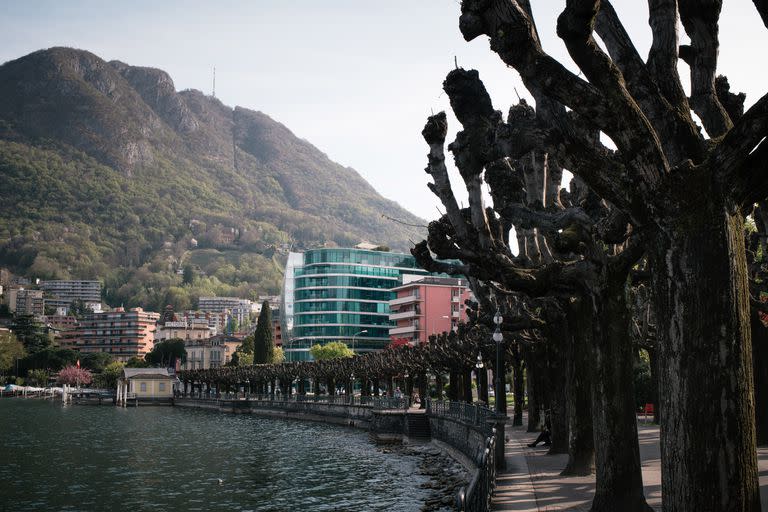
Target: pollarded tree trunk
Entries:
(705, 361)
(439, 386)
(581, 443)
(534, 406)
(453, 386)
(482, 385)
(423, 390)
(518, 382)
(467, 386)
(619, 480)
(760, 368)
(653, 359)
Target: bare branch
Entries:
(700, 19)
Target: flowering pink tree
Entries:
(73, 375)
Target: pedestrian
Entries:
(545, 436)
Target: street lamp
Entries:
(353, 338)
(501, 395)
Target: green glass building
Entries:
(340, 295)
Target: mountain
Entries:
(109, 172)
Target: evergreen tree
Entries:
(263, 344)
(31, 333)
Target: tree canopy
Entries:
(332, 350)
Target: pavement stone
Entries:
(532, 481)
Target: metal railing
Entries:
(476, 415)
(369, 401)
(476, 496)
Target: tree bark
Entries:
(467, 384)
(453, 386)
(581, 443)
(518, 383)
(708, 451)
(653, 359)
(619, 480)
(439, 386)
(760, 367)
(534, 407)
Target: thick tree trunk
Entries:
(708, 451)
(557, 403)
(534, 406)
(619, 480)
(438, 386)
(653, 359)
(760, 368)
(467, 386)
(518, 385)
(453, 386)
(482, 385)
(423, 391)
(581, 443)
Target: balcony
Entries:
(454, 314)
(403, 315)
(456, 298)
(403, 330)
(404, 300)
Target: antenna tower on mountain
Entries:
(214, 82)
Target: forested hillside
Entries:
(108, 172)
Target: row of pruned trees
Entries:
(655, 222)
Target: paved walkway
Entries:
(532, 481)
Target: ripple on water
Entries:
(101, 458)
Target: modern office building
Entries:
(427, 306)
(123, 334)
(340, 295)
(63, 292)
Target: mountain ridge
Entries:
(232, 178)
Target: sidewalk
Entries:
(532, 481)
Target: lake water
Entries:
(105, 458)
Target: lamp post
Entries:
(501, 395)
(355, 335)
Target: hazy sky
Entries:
(355, 78)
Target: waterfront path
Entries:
(532, 481)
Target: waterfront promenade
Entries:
(532, 481)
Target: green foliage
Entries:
(74, 204)
(332, 350)
(38, 378)
(137, 362)
(247, 345)
(96, 361)
(240, 358)
(11, 349)
(31, 333)
(263, 344)
(165, 353)
(644, 385)
(107, 379)
(278, 356)
(49, 359)
(78, 310)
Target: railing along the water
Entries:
(376, 402)
(475, 496)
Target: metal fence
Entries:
(369, 401)
(477, 415)
(476, 496)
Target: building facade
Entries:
(64, 292)
(239, 309)
(120, 333)
(340, 295)
(427, 306)
(26, 302)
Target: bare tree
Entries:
(689, 192)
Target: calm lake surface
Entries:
(55, 457)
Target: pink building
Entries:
(429, 305)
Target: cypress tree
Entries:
(263, 344)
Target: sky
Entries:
(355, 78)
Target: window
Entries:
(143, 387)
(162, 386)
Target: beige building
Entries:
(146, 385)
(26, 302)
(193, 329)
(205, 353)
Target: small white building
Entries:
(147, 385)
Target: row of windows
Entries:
(359, 344)
(340, 331)
(359, 256)
(344, 293)
(347, 269)
(340, 318)
(341, 305)
(354, 281)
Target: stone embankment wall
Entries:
(469, 440)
